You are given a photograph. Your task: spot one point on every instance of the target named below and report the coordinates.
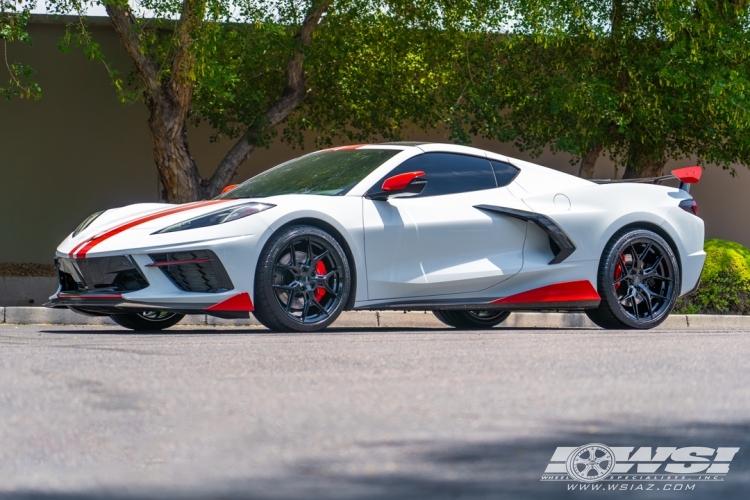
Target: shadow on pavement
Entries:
(433, 469)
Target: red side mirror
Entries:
(400, 181)
(229, 188)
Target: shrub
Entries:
(725, 281)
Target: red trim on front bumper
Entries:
(179, 262)
(572, 291)
(239, 303)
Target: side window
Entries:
(504, 173)
(448, 173)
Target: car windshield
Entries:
(329, 173)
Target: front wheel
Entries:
(303, 280)
(147, 320)
(471, 320)
(638, 281)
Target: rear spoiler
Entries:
(686, 175)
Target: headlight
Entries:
(86, 223)
(220, 217)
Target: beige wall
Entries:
(78, 150)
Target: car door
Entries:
(437, 242)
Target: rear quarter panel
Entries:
(597, 212)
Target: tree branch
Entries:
(292, 96)
(123, 22)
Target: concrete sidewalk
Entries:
(375, 319)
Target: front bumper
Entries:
(185, 279)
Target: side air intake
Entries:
(195, 271)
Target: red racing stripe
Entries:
(81, 250)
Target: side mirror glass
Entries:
(406, 184)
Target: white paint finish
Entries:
(536, 179)
(440, 245)
(561, 201)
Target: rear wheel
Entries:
(638, 281)
(471, 320)
(147, 320)
(303, 281)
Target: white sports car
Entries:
(468, 234)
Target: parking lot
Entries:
(356, 413)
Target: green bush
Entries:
(725, 281)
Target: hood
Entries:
(144, 217)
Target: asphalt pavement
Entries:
(99, 412)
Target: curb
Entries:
(376, 319)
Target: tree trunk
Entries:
(588, 162)
(640, 166)
(181, 182)
(168, 100)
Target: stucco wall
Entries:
(78, 150)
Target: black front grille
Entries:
(115, 274)
(195, 271)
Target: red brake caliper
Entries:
(619, 271)
(320, 270)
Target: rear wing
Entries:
(686, 175)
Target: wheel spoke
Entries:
(330, 290)
(623, 264)
(318, 257)
(647, 298)
(657, 277)
(654, 265)
(305, 308)
(293, 254)
(318, 304)
(620, 279)
(330, 273)
(309, 252)
(645, 251)
(289, 300)
(288, 288)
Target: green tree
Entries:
(644, 80)
(14, 17)
(246, 67)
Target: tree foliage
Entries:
(14, 17)
(644, 80)
(725, 281)
(340, 68)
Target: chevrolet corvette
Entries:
(468, 234)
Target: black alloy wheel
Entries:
(303, 280)
(147, 320)
(471, 320)
(639, 281)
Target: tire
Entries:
(303, 281)
(471, 320)
(638, 281)
(147, 320)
